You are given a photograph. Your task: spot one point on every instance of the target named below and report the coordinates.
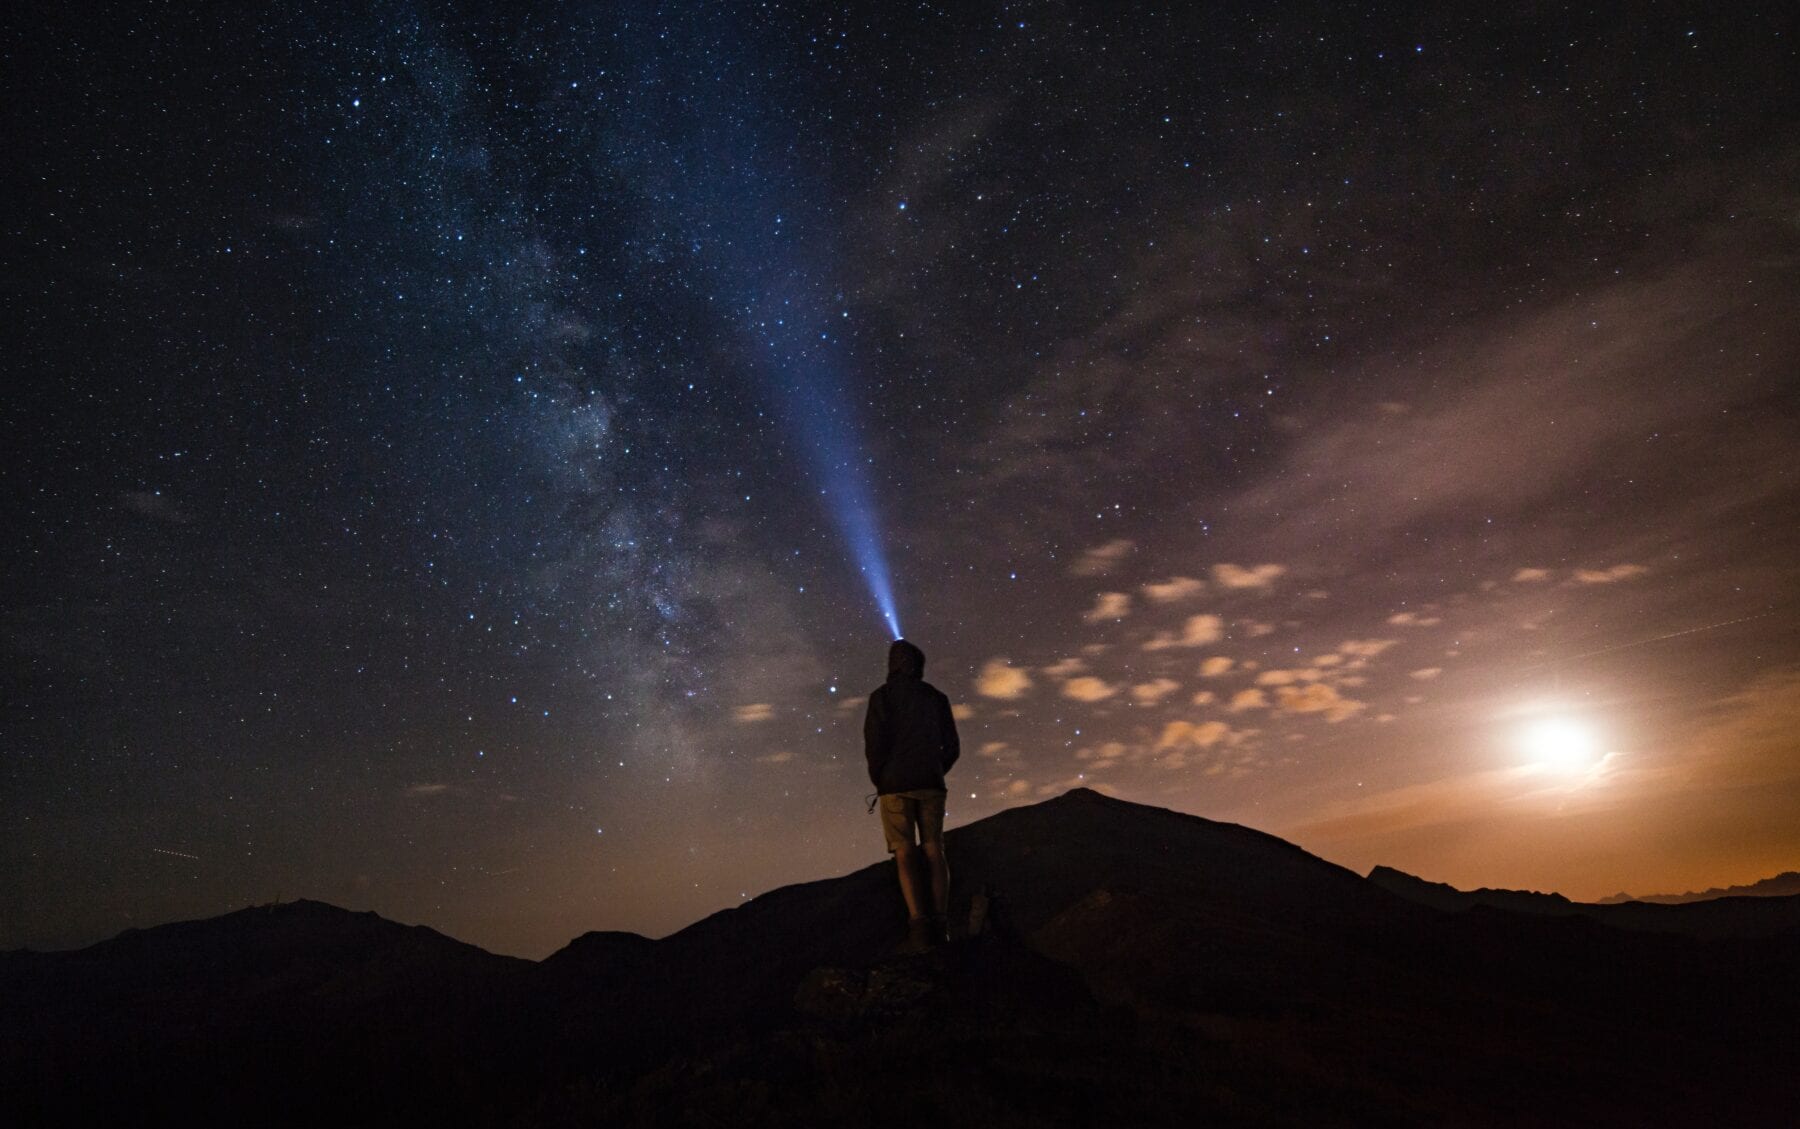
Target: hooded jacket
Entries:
(909, 735)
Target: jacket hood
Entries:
(905, 660)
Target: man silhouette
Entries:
(909, 739)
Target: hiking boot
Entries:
(918, 935)
(939, 930)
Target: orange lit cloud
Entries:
(1413, 619)
(1197, 632)
(1002, 754)
(1088, 689)
(1611, 575)
(1109, 605)
(1257, 576)
(1287, 677)
(1150, 693)
(1317, 697)
(999, 679)
(1183, 734)
(1252, 699)
(1174, 588)
(1102, 559)
(1104, 755)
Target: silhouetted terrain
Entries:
(1145, 968)
(1783, 885)
(1718, 916)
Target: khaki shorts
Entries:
(902, 812)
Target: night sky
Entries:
(452, 453)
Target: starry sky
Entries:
(455, 452)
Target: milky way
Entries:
(457, 455)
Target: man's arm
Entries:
(952, 743)
(876, 739)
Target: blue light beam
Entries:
(733, 179)
(856, 520)
(815, 410)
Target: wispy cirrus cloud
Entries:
(1611, 575)
(1414, 619)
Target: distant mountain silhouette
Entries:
(1783, 885)
(1722, 916)
(191, 1023)
(1143, 968)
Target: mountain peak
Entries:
(1085, 793)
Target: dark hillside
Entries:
(1142, 967)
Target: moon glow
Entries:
(1561, 745)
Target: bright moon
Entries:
(1561, 745)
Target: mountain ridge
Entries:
(1775, 886)
(1140, 966)
(1725, 916)
(1401, 883)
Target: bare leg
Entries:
(940, 878)
(912, 885)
